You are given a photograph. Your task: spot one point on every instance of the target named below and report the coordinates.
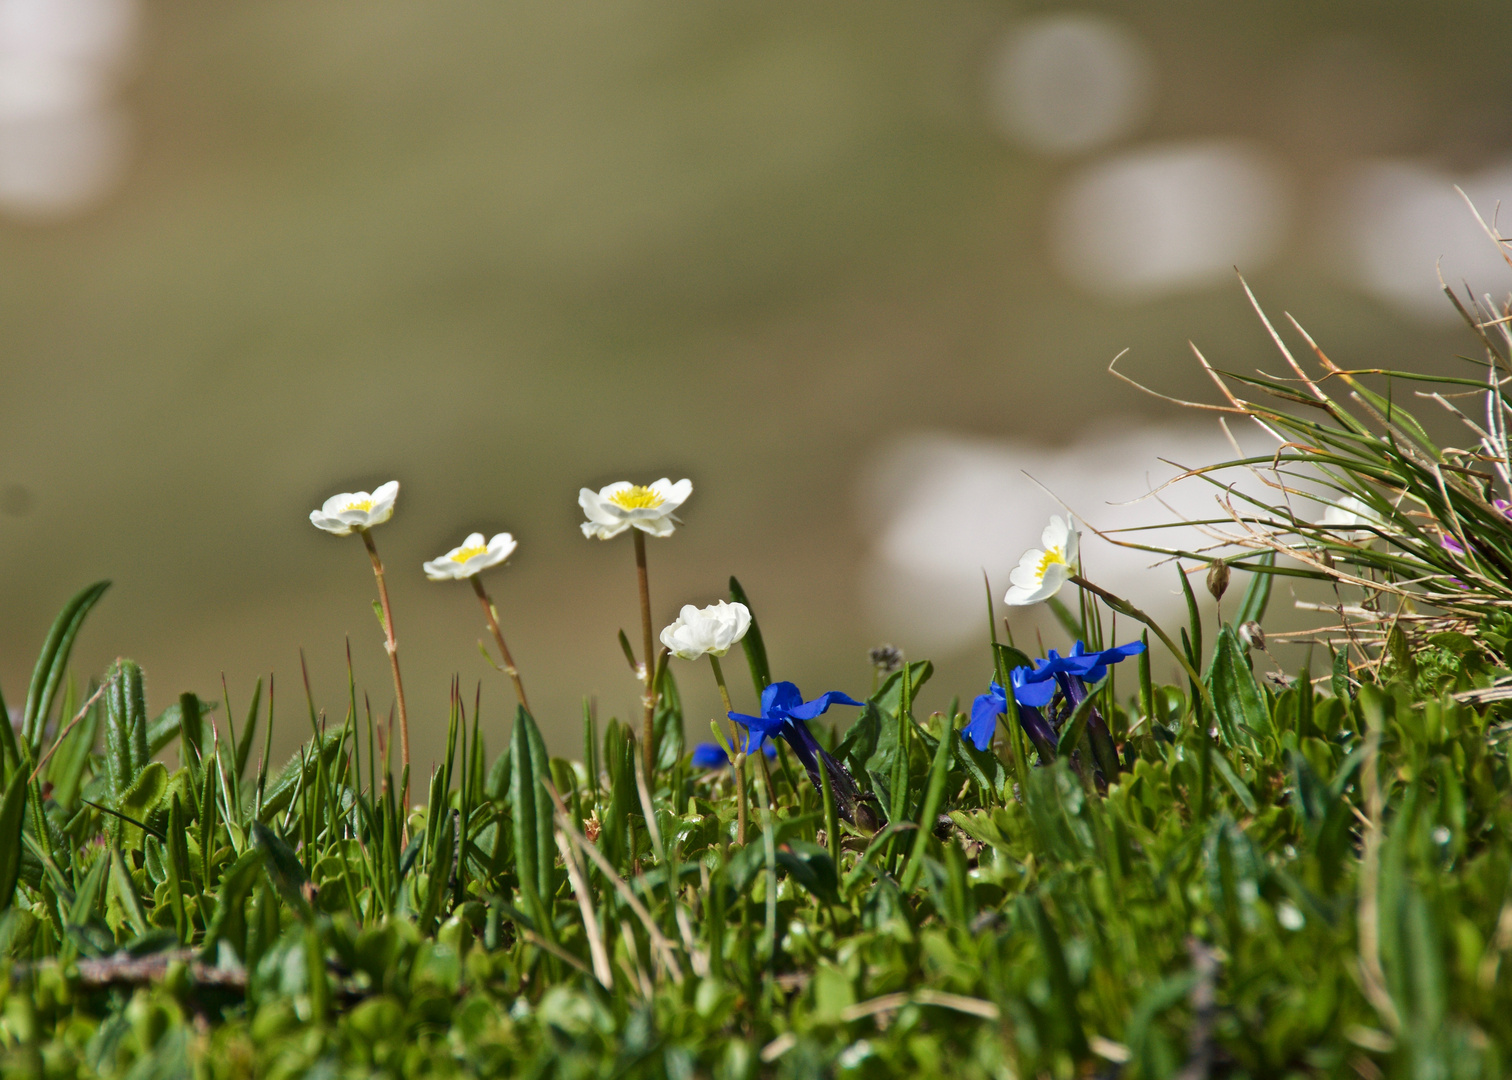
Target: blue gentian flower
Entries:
(1034, 688)
(984, 713)
(709, 755)
(783, 711)
(785, 715)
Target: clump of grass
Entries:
(1226, 877)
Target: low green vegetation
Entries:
(1255, 875)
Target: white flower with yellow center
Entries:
(624, 505)
(356, 511)
(472, 556)
(709, 631)
(1041, 573)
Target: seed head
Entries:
(1218, 579)
(1252, 634)
(886, 658)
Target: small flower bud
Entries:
(1252, 635)
(1218, 579)
(886, 658)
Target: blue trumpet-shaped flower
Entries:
(1034, 688)
(783, 712)
(785, 715)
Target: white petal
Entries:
(331, 525)
(673, 495)
(441, 569)
(501, 547)
(659, 526)
(383, 502)
(337, 503)
(1073, 545)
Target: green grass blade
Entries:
(753, 643)
(934, 795)
(12, 821)
(52, 662)
(1257, 593)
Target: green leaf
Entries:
(91, 892)
(1072, 731)
(230, 915)
(284, 869)
(178, 868)
(668, 724)
(1007, 658)
(934, 794)
(249, 729)
(532, 816)
(168, 725)
(123, 888)
(1194, 619)
(1257, 592)
(1242, 713)
(69, 761)
(1240, 788)
(300, 770)
(141, 799)
(12, 821)
(439, 872)
(752, 643)
(810, 866)
(52, 662)
(126, 748)
(1061, 987)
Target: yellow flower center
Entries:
(636, 498)
(365, 505)
(1049, 559)
(462, 554)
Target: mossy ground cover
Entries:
(1308, 874)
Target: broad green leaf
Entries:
(1242, 713)
(139, 800)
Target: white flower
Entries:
(473, 555)
(624, 505)
(711, 630)
(1040, 574)
(1350, 513)
(356, 510)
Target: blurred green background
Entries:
(502, 251)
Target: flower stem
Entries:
(736, 742)
(392, 646)
(648, 657)
(493, 624)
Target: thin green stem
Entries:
(392, 646)
(736, 742)
(648, 656)
(492, 614)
